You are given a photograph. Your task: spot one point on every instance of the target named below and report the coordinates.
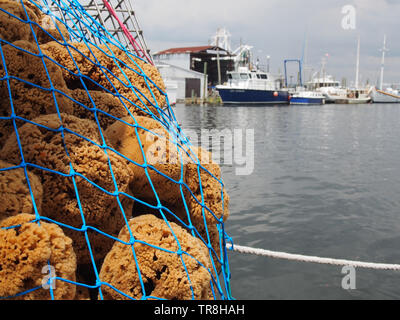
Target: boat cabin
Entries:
(253, 79)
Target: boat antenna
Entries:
(384, 50)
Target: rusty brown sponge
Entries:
(50, 149)
(102, 101)
(29, 101)
(164, 156)
(13, 24)
(163, 273)
(15, 197)
(203, 178)
(119, 74)
(207, 202)
(13, 29)
(26, 249)
(150, 138)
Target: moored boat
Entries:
(307, 98)
(385, 96)
(357, 96)
(247, 86)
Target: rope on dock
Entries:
(311, 259)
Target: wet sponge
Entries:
(13, 23)
(26, 248)
(135, 137)
(15, 196)
(108, 108)
(109, 69)
(163, 273)
(28, 100)
(203, 179)
(56, 151)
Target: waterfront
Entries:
(326, 182)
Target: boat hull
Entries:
(249, 96)
(379, 96)
(306, 101)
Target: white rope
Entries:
(302, 258)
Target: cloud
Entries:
(278, 28)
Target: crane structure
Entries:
(116, 16)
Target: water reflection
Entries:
(326, 182)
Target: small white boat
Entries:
(304, 97)
(385, 96)
(329, 88)
(388, 95)
(357, 96)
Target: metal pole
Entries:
(384, 49)
(205, 82)
(218, 63)
(358, 63)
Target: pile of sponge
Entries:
(92, 179)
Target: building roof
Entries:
(198, 49)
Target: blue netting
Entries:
(73, 34)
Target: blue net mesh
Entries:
(103, 194)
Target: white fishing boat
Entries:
(388, 95)
(329, 88)
(357, 95)
(335, 93)
(249, 85)
(246, 86)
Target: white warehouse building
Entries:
(186, 67)
(182, 83)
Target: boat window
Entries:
(244, 76)
(234, 76)
(258, 76)
(264, 76)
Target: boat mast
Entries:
(323, 68)
(384, 50)
(304, 57)
(358, 63)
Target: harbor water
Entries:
(326, 182)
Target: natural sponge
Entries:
(50, 30)
(162, 272)
(133, 137)
(26, 249)
(28, 100)
(108, 107)
(58, 151)
(205, 185)
(120, 74)
(207, 201)
(13, 21)
(15, 196)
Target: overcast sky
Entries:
(278, 28)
